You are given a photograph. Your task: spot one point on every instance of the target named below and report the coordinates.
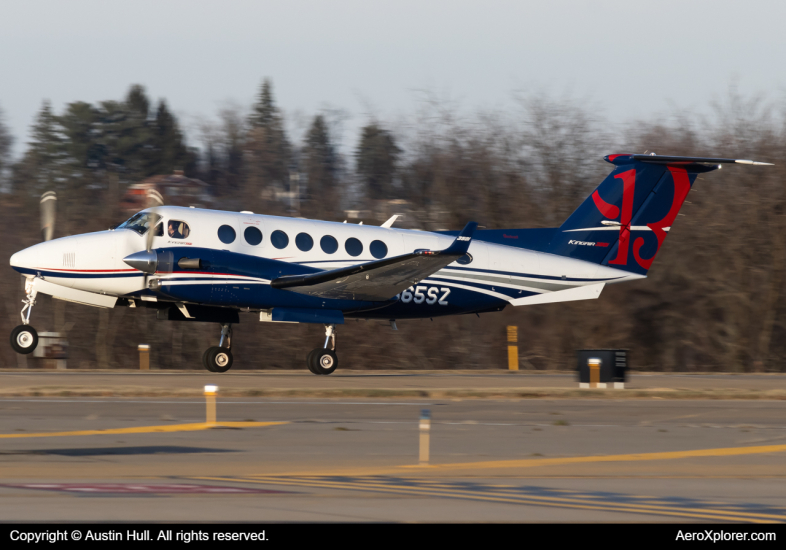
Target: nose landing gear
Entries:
(219, 358)
(324, 360)
(24, 338)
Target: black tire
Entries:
(324, 361)
(310, 361)
(220, 359)
(205, 361)
(24, 339)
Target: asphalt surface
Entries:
(362, 383)
(356, 460)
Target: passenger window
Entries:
(304, 242)
(465, 259)
(378, 249)
(226, 234)
(252, 235)
(279, 239)
(353, 247)
(178, 230)
(329, 244)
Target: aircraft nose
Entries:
(24, 259)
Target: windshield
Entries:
(140, 222)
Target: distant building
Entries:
(173, 190)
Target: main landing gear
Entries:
(324, 360)
(219, 358)
(24, 338)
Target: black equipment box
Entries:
(612, 364)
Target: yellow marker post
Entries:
(594, 367)
(425, 427)
(513, 348)
(144, 356)
(210, 399)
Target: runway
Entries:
(461, 384)
(339, 460)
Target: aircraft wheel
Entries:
(24, 339)
(324, 361)
(219, 359)
(310, 361)
(205, 361)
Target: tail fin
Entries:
(624, 222)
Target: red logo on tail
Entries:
(610, 211)
(681, 188)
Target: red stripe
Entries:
(206, 273)
(87, 270)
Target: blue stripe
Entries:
(511, 292)
(546, 277)
(76, 275)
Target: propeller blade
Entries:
(151, 232)
(48, 214)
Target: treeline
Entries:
(714, 299)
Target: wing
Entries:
(381, 280)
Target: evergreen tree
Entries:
(169, 151)
(78, 125)
(270, 151)
(320, 167)
(265, 112)
(377, 154)
(6, 140)
(138, 102)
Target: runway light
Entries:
(210, 404)
(425, 427)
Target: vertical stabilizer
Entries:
(624, 222)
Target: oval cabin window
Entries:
(378, 249)
(353, 247)
(226, 234)
(329, 244)
(465, 259)
(253, 236)
(304, 242)
(279, 239)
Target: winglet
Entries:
(388, 224)
(461, 244)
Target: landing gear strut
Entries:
(324, 360)
(219, 358)
(24, 338)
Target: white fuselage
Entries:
(94, 263)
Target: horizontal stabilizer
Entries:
(664, 159)
(588, 292)
(381, 280)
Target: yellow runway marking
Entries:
(149, 429)
(672, 455)
(507, 498)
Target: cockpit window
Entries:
(140, 222)
(178, 230)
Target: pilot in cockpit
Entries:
(177, 229)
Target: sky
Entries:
(629, 59)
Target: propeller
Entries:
(48, 214)
(147, 261)
(151, 231)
